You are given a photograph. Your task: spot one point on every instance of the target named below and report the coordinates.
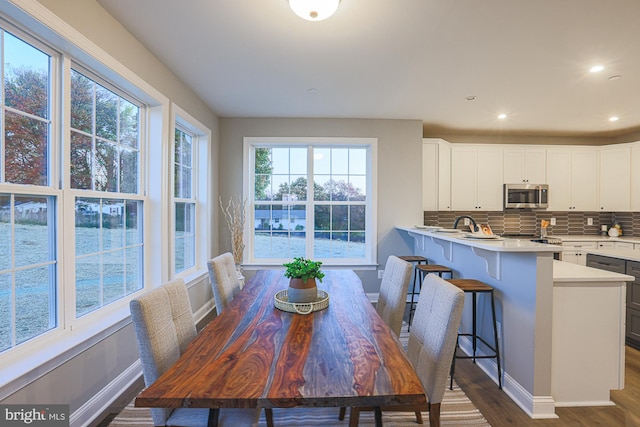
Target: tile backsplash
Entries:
(523, 221)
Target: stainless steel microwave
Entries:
(526, 196)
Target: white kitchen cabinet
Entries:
(436, 175)
(607, 245)
(574, 252)
(615, 178)
(573, 179)
(635, 177)
(476, 178)
(624, 245)
(526, 165)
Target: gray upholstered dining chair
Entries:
(224, 280)
(164, 326)
(432, 341)
(392, 299)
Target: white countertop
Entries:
(500, 244)
(595, 238)
(569, 272)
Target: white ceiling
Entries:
(406, 59)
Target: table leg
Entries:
(213, 417)
(378, 415)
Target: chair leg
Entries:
(343, 411)
(268, 415)
(354, 417)
(213, 417)
(434, 414)
(419, 417)
(378, 416)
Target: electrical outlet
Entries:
(589, 221)
(380, 274)
(553, 221)
(466, 221)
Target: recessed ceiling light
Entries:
(470, 98)
(615, 77)
(502, 116)
(596, 68)
(312, 90)
(614, 118)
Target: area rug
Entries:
(456, 410)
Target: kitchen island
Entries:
(524, 276)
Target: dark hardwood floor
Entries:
(501, 411)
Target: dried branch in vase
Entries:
(235, 216)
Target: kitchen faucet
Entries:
(473, 221)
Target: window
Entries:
(331, 220)
(28, 285)
(108, 212)
(190, 199)
(184, 199)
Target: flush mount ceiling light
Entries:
(314, 10)
(614, 118)
(596, 68)
(502, 116)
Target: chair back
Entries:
(164, 326)
(224, 280)
(434, 331)
(393, 292)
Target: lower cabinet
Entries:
(632, 268)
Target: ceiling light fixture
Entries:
(502, 116)
(614, 118)
(596, 68)
(314, 10)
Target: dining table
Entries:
(254, 355)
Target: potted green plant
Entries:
(303, 274)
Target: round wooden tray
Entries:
(281, 301)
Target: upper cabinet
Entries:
(525, 165)
(436, 175)
(635, 177)
(476, 177)
(573, 179)
(615, 178)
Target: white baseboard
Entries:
(95, 406)
(536, 407)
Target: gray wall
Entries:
(399, 170)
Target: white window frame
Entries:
(72, 336)
(250, 143)
(202, 174)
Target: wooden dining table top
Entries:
(255, 355)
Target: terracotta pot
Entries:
(302, 291)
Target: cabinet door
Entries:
(514, 169)
(489, 190)
(559, 180)
(635, 177)
(535, 166)
(623, 245)
(444, 176)
(429, 176)
(524, 165)
(584, 180)
(633, 288)
(615, 179)
(464, 178)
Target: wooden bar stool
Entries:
(475, 287)
(418, 260)
(421, 271)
